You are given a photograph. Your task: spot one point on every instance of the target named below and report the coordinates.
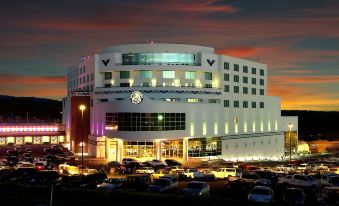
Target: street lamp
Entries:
(290, 125)
(82, 109)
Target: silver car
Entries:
(196, 189)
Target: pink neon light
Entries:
(18, 129)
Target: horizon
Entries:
(299, 41)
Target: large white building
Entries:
(158, 101)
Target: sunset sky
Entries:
(298, 39)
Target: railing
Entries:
(159, 63)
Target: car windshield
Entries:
(195, 185)
(260, 191)
(161, 182)
(114, 181)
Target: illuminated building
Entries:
(31, 133)
(178, 101)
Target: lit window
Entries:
(168, 74)
(194, 100)
(190, 75)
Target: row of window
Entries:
(236, 68)
(147, 74)
(236, 90)
(244, 79)
(82, 80)
(236, 104)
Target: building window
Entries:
(87, 78)
(168, 74)
(84, 79)
(84, 70)
(245, 69)
(124, 74)
(236, 104)
(254, 81)
(208, 85)
(194, 100)
(254, 70)
(245, 90)
(214, 101)
(226, 88)
(262, 92)
(124, 84)
(108, 75)
(245, 80)
(190, 75)
(92, 87)
(226, 77)
(262, 82)
(92, 77)
(103, 100)
(146, 121)
(245, 104)
(254, 105)
(108, 85)
(208, 75)
(80, 80)
(262, 72)
(236, 78)
(145, 74)
(236, 67)
(226, 103)
(262, 105)
(226, 65)
(80, 70)
(146, 84)
(236, 89)
(254, 91)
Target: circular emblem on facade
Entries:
(136, 97)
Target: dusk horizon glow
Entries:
(298, 40)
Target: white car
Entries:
(303, 167)
(261, 194)
(193, 174)
(145, 170)
(223, 173)
(196, 189)
(41, 160)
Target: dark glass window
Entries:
(254, 91)
(124, 84)
(262, 82)
(245, 80)
(208, 76)
(254, 70)
(226, 103)
(226, 77)
(254, 81)
(262, 92)
(236, 104)
(236, 78)
(124, 74)
(146, 121)
(236, 89)
(108, 75)
(262, 72)
(226, 65)
(236, 67)
(262, 105)
(226, 88)
(108, 85)
(245, 104)
(254, 105)
(245, 69)
(245, 90)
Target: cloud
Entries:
(19, 79)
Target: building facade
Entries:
(159, 101)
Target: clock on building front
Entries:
(136, 97)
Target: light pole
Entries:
(290, 125)
(82, 109)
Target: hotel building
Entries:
(158, 101)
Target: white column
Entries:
(185, 149)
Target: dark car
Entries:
(294, 196)
(137, 182)
(171, 162)
(272, 177)
(6, 174)
(24, 175)
(44, 177)
(27, 157)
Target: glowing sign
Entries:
(136, 97)
(27, 128)
(113, 128)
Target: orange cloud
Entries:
(17, 79)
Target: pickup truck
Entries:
(223, 173)
(298, 180)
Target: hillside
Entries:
(17, 109)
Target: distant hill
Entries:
(17, 109)
(314, 125)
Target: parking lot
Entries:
(302, 182)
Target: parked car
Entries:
(128, 161)
(145, 170)
(41, 160)
(173, 180)
(110, 184)
(261, 194)
(223, 173)
(161, 185)
(172, 162)
(254, 179)
(137, 181)
(160, 173)
(68, 170)
(196, 189)
(28, 149)
(330, 180)
(302, 168)
(39, 166)
(300, 181)
(294, 196)
(193, 174)
(27, 157)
